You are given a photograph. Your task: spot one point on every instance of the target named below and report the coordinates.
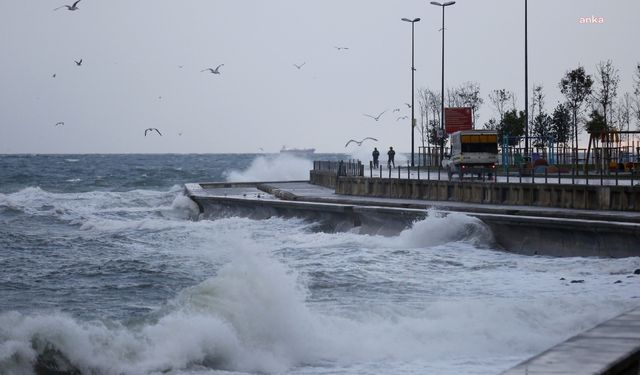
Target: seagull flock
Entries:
(216, 71)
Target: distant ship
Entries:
(297, 151)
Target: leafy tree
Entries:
(576, 87)
(511, 126)
(540, 126)
(596, 124)
(542, 129)
(608, 80)
(561, 124)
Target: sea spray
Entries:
(281, 167)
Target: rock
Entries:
(637, 272)
(577, 281)
(618, 281)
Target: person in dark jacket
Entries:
(391, 154)
(376, 155)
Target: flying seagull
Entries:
(70, 7)
(340, 48)
(59, 123)
(299, 66)
(402, 118)
(408, 105)
(360, 142)
(54, 75)
(396, 110)
(79, 62)
(150, 130)
(214, 71)
(375, 117)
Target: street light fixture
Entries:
(442, 5)
(413, 69)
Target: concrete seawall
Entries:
(521, 231)
(589, 197)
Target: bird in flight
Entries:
(54, 75)
(214, 71)
(79, 62)
(408, 105)
(402, 118)
(375, 117)
(340, 48)
(151, 130)
(299, 66)
(396, 110)
(70, 7)
(360, 142)
(59, 123)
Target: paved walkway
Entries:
(611, 348)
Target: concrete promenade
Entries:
(610, 348)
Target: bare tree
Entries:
(636, 94)
(607, 79)
(576, 87)
(624, 112)
(469, 93)
(500, 99)
(429, 107)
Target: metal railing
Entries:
(351, 168)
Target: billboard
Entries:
(458, 119)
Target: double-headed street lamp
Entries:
(413, 69)
(442, 119)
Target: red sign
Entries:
(456, 119)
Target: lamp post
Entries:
(526, 86)
(443, 5)
(413, 69)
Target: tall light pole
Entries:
(413, 69)
(442, 119)
(526, 86)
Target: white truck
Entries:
(473, 152)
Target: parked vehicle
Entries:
(472, 152)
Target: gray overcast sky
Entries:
(132, 52)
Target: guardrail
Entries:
(350, 168)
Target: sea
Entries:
(106, 268)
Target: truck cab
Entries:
(472, 152)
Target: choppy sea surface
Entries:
(103, 270)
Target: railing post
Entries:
(408, 172)
(418, 171)
(545, 174)
(399, 171)
(616, 175)
(370, 169)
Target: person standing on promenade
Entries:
(391, 154)
(376, 155)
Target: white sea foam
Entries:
(439, 228)
(281, 167)
(255, 316)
